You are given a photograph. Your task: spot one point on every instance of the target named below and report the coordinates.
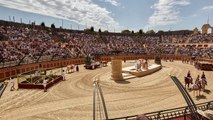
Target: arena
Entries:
(75, 60)
(72, 99)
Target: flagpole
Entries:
(13, 18)
(9, 18)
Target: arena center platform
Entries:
(132, 70)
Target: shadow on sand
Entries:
(165, 66)
(122, 81)
(200, 97)
(70, 72)
(207, 91)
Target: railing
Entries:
(169, 113)
(25, 61)
(187, 97)
(98, 102)
(2, 88)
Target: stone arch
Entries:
(205, 28)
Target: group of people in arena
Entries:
(31, 45)
(200, 81)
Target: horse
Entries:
(199, 85)
(70, 67)
(188, 81)
(196, 88)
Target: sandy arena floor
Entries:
(72, 99)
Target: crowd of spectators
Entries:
(33, 45)
(194, 38)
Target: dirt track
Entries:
(72, 99)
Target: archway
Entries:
(209, 30)
(205, 28)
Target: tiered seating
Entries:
(25, 44)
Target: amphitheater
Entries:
(72, 99)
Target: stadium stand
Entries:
(25, 44)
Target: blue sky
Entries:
(114, 15)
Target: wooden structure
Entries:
(204, 65)
(131, 70)
(25, 85)
(93, 65)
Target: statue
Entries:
(158, 60)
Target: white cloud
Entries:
(166, 12)
(208, 8)
(113, 2)
(79, 11)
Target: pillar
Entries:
(116, 69)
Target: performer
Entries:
(146, 64)
(139, 65)
(36, 73)
(45, 84)
(51, 72)
(143, 64)
(12, 83)
(63, 75)
(189, 74)
(77, 68)
(203, 77)
(197, 81)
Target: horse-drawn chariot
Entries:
(90, 63)
(93, 65)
